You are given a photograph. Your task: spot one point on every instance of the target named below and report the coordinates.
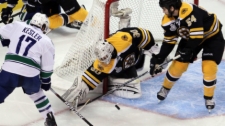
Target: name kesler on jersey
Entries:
(32, 33)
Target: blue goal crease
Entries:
(185, 100)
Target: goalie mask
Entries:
(104, 51)
(41, 21)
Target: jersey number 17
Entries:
(27, 39)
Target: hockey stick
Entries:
(111, 91)
(18, 13)
(71, 108)
(176, 57)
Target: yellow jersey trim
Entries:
(185, 10)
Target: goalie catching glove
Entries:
(119, 13)
(122, 13)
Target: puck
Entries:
(117, 107)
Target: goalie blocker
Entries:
(131, 90)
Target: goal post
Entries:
(98, 25)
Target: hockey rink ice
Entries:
(184, 105)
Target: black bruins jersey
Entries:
(128, 42)
(194, 24)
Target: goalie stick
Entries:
(116, 88)
(71, 108)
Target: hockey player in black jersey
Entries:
(73, 11)
(199, 30)
(116, 59)
(73, 17)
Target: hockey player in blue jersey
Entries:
(28, 62)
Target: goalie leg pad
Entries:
(129, 91)
(77, 92)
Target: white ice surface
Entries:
(19, 110)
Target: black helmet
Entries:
(169, 3)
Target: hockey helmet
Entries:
(169, 3)
(41, 21)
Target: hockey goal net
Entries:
(98, 25)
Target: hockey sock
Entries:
(42, 103)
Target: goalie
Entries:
(116, 59)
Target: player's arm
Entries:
(94, 75)
(5, 32)
(195, 29)
(7, 12)
(169, 42)
(47, 63)
(146, 39)
(192, 30)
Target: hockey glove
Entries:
(5, 42)
(46, 84)
(185, 55)
(154, 65)
(6, 15)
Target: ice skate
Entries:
(50, 120)
(162, 94)
(210, 104)
(75, 24)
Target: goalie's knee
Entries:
(130, 91)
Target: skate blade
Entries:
(209, 110)
(159, 101)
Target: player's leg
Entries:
(31, 87)
(174, 72)
(131, 90)
(27, 15)
(73, 12)
(212, 54)
(51, 8)
(8, 83)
